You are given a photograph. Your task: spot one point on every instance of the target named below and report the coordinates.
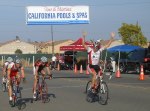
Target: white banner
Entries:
(55, 15)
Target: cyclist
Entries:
(40, 66)
(94, 57)
(4, 70)
(14, 69)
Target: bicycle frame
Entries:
(42, 90)
(15, 90)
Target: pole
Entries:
(2, 60)
(52, 40)
(33, 65)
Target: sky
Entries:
(106, 16)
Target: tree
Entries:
(132, 34)
(18, 51)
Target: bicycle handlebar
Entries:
(45, 76)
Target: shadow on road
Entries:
(51, 95)
(73, 77)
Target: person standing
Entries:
(113, 64)
(54, 62)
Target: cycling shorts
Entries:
(94, 67)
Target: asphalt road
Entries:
(66, 93)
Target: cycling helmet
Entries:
(17, 61)
(97, 44)
(99, 40)
(44, 59)
(9, 59)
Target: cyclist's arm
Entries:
(112, 35)
(22, 72)
(36, 70)
(48, 70)
(4, 71)
(83, 43)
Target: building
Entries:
(10, 47)
(49, 48)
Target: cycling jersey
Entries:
(41, 66)
(93, 57)
(13, 69)
(5, 66)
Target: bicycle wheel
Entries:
(14, 99)
(88, 86)
(19, 95)
(44, 91)
(88, 91)
(4, 87)
(103, 93)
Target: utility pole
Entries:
(52, 40)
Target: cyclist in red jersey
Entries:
(94, 56)
(40, 66)
(13, 70)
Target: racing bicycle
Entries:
(100, 93)
(42, 89)
(16, 94)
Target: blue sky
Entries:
(105, 16)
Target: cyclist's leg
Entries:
(10, 91)
(18, 78)
(34, 85)
(93, 72)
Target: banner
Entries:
(57, 15)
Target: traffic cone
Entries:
(81, 69)
(118, 73)
(58, 67)
(87, 72)
(141, 73)
(75, 68)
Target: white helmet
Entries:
(44, 59)
(9, 59)
(98, 43)
(17, 61)
(99, 40)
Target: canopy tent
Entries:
(76, 46)
(128, 49)
(124, 48)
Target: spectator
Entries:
(113, 63)
(54, 62)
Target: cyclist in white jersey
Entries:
(94, 56)
(4, 69)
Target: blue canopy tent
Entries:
(134, 52)
(139, 51)
(124, 48)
